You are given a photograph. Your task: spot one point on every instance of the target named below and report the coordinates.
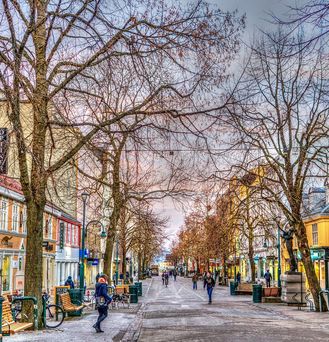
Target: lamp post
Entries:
(279, 256)
(84, 233)
(117, 261)
(84, 197)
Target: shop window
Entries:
(50, 228)
(315, 233)
(4, 215)
(15, 218)
(6, 274)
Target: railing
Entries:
(320, 298)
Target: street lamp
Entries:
(84, 197)
(103, 234)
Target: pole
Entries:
(235, 260)
(82, 262)
(279, 257)
(117, 262)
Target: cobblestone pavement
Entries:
(178, 313)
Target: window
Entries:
(315, 233)
(73, 234)
(4, 215)
(15, 218)
(50, 228)
(24, 219)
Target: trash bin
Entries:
(133, 291)
(76, 298)
(233, 286)
(140, 288)
(257, 292)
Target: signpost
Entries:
(61, 235)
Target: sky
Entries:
(257, 12)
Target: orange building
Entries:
(58, 259)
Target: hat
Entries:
(102, 280)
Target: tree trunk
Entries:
(312, 279)
(115, 216)
(36, 203)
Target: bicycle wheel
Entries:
(54, 316)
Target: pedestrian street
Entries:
(178, 313)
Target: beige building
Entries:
(62, 206)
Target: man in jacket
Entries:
(268, 277)
(102, 302)
(210, 282)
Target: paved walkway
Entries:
(178, 313)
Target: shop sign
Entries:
(61, 235)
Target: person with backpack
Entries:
(102, 302)
(69, 282)
(210, 283)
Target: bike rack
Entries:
(35, 308)
(309, 301)
(320, 299)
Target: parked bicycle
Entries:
(53, 316)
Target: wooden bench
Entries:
(271, 292)
(244, 289)
(9, 326)
(67, 304)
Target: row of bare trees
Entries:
(83, 69)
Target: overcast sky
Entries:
(257, 12)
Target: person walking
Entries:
(175, 274)
(166, 278)
(238, 277)
(163, 278)
(210, 282)
(268, 278)
(102, 302)
(195, 281)
(69, 282)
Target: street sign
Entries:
(45, 244)
(61, 235)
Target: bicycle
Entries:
(53, 316)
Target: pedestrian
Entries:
(268, 277)
(69, 282)
(238, 277)
(163, 278)
(195, 281)
(102, 302)
(204, 280)
(175, 274)
(210, 282)
(166, 278)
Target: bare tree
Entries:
(282, 124)
(47, 48)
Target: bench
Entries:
(9, 326)
(67, 304)
(244, 289)
(120, 296)
(271, 292)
